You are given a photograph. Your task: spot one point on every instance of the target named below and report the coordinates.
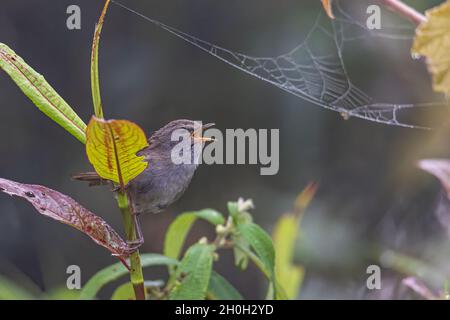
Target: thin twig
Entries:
(405, 11)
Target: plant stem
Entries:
(272, 291)
(405, 11)
(255, 260)
(136, 275)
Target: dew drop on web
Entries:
(415, 56)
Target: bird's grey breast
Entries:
(159, 185)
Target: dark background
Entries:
(371, 196)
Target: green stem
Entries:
(272, 291)
(255, 260)
(136, 275)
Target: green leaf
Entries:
(238, 211)
(194, 273)
(35, 87)
(233, 209)
(239, 217)
(124, 292)
(179, 228)
(11, 291)
(279, 293)
(117, 270)
(240, 257)
(262, 244)
(62, 293)
(212, 216)
(220, 289)
(176, 234)
(95, 83)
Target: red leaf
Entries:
(440, 168)
(420, 288)
(64, 209)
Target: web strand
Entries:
(310, 74)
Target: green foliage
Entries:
(220, 289)
(262, 244)
(233, 209)
(95, 82)
(61, 293)
(193, 274)
(178, 230)
(245, 238)
(35, 87)
(11, 291)
(117, 270)
(124, 292)
(240, 248)
(260, 241)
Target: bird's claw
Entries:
(134, 245)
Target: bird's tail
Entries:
(92, 177)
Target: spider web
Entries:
(314, 74)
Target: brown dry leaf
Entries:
(432, 41)
(64, 209)
(328, 8)
(440, 168)
(304, 198)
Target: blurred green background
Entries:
(371, 196)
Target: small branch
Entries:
(404, 10)
(95, 82)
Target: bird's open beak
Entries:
(199, 137)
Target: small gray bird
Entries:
(162, 182)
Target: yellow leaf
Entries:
(285, 234)
(432, 41)
(288, 275)
(328, 8)
(111, 147)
